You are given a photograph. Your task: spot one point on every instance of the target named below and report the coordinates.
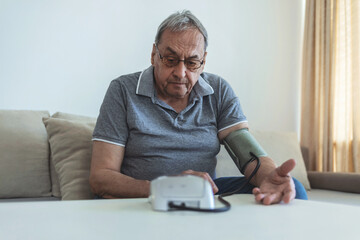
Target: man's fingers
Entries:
(289, 195)
(278, 186)
(204, 175)
(286, 167)
(266, 198)
(213, 186)
(258, 195)
(256, 190)
(271, 198)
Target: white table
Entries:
(134, 219)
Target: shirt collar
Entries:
(146, 85)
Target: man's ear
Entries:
(205, 58)
(153, 52)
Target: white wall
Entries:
(60, 55)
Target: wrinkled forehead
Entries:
(188, 42)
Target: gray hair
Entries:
(181, 21)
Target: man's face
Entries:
(178, 81)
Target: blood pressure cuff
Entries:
(241, 146)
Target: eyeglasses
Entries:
(169, 61)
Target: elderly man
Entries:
(170, 119)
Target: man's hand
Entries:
(277, 186)
(205, 176)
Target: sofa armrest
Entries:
(344, 182)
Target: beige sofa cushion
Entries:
(280, 146)
(70, 143)
(75, 117)
(24, 154)
(54, 177)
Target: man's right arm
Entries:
(105, 178)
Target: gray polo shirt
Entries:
(158, 140)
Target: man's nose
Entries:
(180, 69)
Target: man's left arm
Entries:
(273, 184)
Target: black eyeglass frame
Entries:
(164, 58)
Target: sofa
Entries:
(47, 157)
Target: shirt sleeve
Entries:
(111, 125)
(230, 111)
